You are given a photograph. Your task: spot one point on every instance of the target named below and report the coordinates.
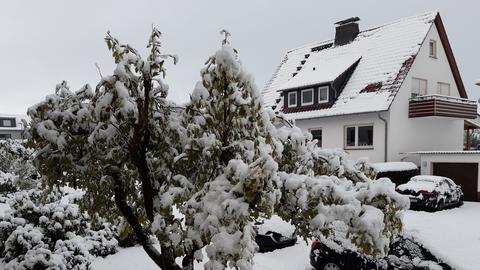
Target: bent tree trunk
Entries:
(164, 260)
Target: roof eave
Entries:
(450, 57)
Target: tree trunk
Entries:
(164, 260)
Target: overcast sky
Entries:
(45, 42)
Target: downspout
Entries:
(386, 136)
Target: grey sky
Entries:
(44, 42)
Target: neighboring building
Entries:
(12, 126)
(380, 93)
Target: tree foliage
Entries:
(197, 177)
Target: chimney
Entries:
(346, 31)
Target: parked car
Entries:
(274, 234)
(431, 192)
(405, 254)
(271, 241)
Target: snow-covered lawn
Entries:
(453, 235)
(295, 257)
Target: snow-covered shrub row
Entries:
(46, 229)
(222, 162)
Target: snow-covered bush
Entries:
(17, 171)
(196, 177)
(46, 229)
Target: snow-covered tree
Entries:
(227, 161)
(330, 197)
(197, 177)
(116, 142)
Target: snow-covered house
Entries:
(12, 126)
(379, 93)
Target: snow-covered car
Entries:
(431, 192)
(405, 254)
(271, 241)
(274, 233)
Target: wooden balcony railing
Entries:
(444, 106)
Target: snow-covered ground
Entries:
(453, 235)
(295, 257)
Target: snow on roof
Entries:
(18, 120)
(323, 69)
(394, 166)
(466, 152)
(431, 178)
(386, 52)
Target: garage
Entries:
(461, 166)
(463, 174)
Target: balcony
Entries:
(444, 106)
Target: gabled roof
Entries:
(387, 53)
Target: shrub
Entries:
(46, 230)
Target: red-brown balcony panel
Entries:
(445, 106)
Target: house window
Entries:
(323, 94)
(419, 87)
(317, 135)
(433, 48)
(359, 136)
(5, 136)
(292, 99)
(7, 123)
(307, 97)
(443, 89)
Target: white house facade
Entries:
(380, 93)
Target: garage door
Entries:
(463, 174)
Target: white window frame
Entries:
(290, 104)
(439, 90)
(432, 51)
(328, 94)
(301, 97)
(314, 129)
(426, 86)
(356, 146)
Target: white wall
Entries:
(333, 133)
(424, 133)
(15, 134)
(433, 70)
(427, 160)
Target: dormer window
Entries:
(433, 48)
(292, 99)
(323, 94)
(307, 97)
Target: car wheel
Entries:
(331, 266)
(440, 205)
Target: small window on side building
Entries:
(7, 123)
(433, 48)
